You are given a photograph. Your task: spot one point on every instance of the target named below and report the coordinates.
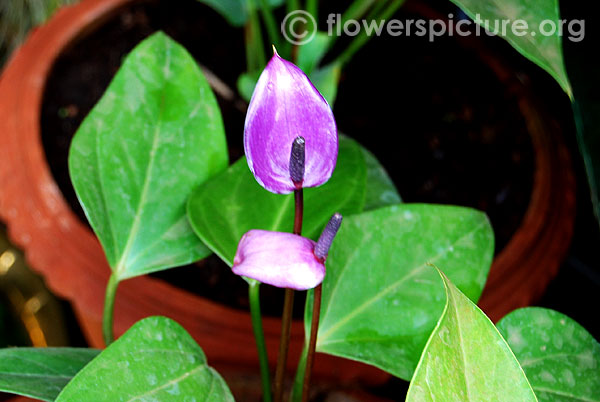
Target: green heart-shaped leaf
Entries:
(232, 203)
(155, 135)
(380, 300)
(466, 358)
(561, 359)
(41, 373)
(155, 360)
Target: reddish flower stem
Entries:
(312, 343)
(288, 306)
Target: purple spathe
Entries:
(286, 105)
(280, 259)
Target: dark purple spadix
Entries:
(284, 106)
(324, 244)
(297, 161)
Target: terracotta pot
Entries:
(69, 256)
(22, 399)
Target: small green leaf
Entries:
(310, 54)
(246, 83)
(234, 11)
(380, 300)
(561, 359)
(466, 358)
(381, 190)
(326, 81)
(544, 50)
(155, 360)
(232, 203)
(155, 135)
(41, 373)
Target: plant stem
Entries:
(255, 52)
(299, 380)
(299, 211)
(292, 5)
(109, 308)
(312, 8)
(286, 326)
(259, 336)
(314, 328)
(270, 23)
(359, 41)
(355, 11)
(288, 306)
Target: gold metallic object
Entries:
(38, 311)
(7, 259)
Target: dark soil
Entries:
(444, 126)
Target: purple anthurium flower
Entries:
(283, 259)
(280, 259)
(285, 105)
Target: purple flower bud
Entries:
(280, 259)
(285, 105)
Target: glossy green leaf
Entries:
(232, 203)
(561, 359)
(544, 50)
(155, 135)
(155, 360)
(380, 298)
(381, 190)
(41, 373)
(466, 358)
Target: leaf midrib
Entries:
(279, 217)
(564, 394)
(390, 288)
(167, 384)
(121, 268)
(34, 362)
(452, 300)
(36, 375)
